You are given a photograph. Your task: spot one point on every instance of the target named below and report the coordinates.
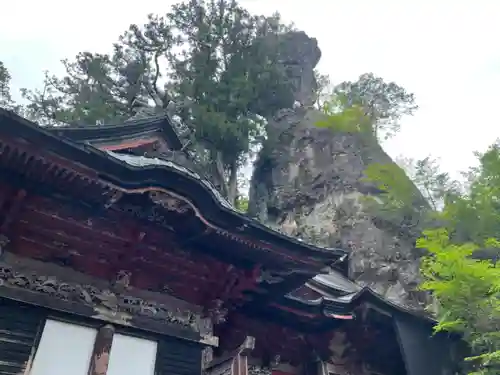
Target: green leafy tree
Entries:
(434, 184)
(368, 105)
(233, 76)
(6, 101)
(217, 62)
(461, 268)
(5, 96)
(106, 87)
(475, 215)
(383, 103)
(467, 291)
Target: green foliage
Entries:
(398, 203)
(6, 101)
(242, 203)
(5, 97)
(461, 269)
(412, 192)
(382, 103)
(398, 191)
(468, 292)
(366, 105)
(341, 117)
(436, 186)
(475, 216)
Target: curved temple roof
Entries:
(139, 172)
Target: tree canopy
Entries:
(467, 291)
(461, 268)
(369, 104)
(215, 60)
(6, 101)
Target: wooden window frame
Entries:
(98, 364)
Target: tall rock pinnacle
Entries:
(308, 182)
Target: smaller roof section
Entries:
(334, 295)
(130, 134)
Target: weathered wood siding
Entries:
(177, 357)
(19, 328)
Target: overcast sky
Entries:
(445, 51)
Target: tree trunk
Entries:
(232, 184)
(229, 185)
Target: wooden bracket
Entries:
(248, 345)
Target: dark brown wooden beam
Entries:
(152, 275)
(80, 234)
(11, 210)
(163, 260)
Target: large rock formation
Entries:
(308, 182)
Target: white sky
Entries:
(445, 51)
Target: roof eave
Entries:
(116, 172)
(161, 124)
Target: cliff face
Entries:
(308, 182)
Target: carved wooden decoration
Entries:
(170, 202)
(217, 312)
(121, 308)
(259, 370)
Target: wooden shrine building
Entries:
(117, 260)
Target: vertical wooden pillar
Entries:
(235, 363)
(240, 360)
(322, 368)
(102, 347)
